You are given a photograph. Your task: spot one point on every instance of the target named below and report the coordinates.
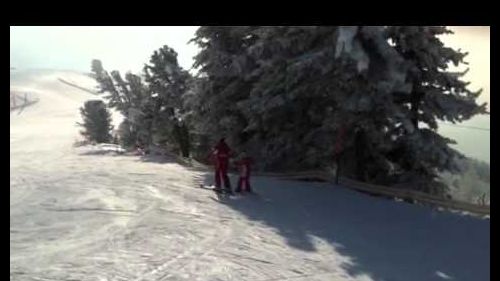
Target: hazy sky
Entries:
(476, 41)
(128, 48)
(73, 48)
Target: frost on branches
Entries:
(152, 105)
(284, 93)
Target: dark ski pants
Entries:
(244, 184)
(221, 175)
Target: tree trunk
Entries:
(337, 171)
(415, 102)
(414, 114)
(359, 146)
(181, 133)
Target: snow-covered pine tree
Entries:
(140, 111)
(292, 100)
(131, 97)
(224, 65)
(199, 140)
(168, 83)
(96, 122)
(289, 90)
(371, 72)
(274, 93)
(437, 94)
(408, 67)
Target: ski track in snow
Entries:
(78, 216)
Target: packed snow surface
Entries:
(93, 213)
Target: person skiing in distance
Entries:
(221, 153)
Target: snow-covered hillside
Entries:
(79, 215)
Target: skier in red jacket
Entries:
(221, 153)
(244, 165)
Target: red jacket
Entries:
(244, 165)
(222, 150)
(220, 154)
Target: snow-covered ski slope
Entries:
(79, 215)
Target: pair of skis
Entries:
(222, 193)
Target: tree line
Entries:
(363, 98)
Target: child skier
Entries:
(244, 165)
